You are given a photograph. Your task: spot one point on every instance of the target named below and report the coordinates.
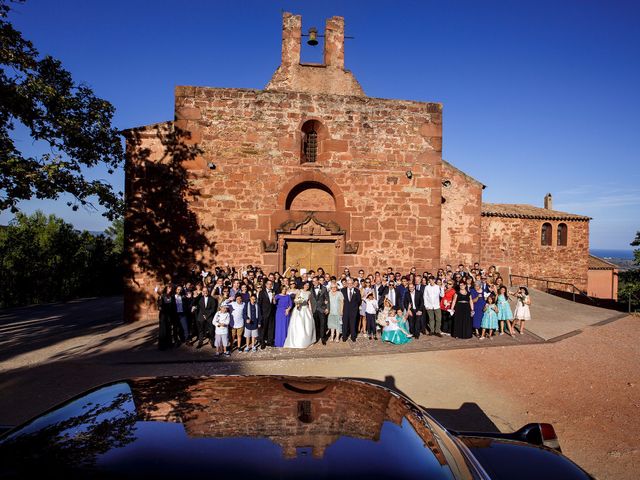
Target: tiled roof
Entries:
(597, 263)
(513, 210)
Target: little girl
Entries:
(490, 317)
(504, 310)
(371, 308)
(221, 322)
(522, 312)
(397, 330)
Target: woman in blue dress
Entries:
(283, 307)
(477, 296)
(504, 310)
(397, 329)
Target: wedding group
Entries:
(245, 309)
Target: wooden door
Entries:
(310, 255)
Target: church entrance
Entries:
(310, 254)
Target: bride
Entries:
(302, 330)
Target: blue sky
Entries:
(539, 96)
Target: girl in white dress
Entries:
(522, 311)
(302, 328)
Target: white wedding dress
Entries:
(302, 329)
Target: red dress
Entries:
(448, 296)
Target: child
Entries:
(237, 321)
(490, 317)
(504, 310)
(396, 330)
(522, 311)
(371, 308)
(221, 322)
(252, 320)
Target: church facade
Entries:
(312, 172)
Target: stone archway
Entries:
(310, 244)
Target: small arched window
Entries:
(562, 235)
(546, 234)
(313, 133)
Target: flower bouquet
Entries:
(299, 301)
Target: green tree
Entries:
(43, 259)
(40, 94)
(116, 233)
(630, 280)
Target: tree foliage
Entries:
(43, 259)
(630, 280)
(40, 94)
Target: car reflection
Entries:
(263, 426)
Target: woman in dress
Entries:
(167, 311)
(334, 320)
(283, 307)
(396, 330)
(477, 297)
(522, 311)
(365, 290)
(463, 309)
(505, 315)
(302, 329)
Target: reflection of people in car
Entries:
(397, 329)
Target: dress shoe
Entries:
(199, 345)
(324, 340)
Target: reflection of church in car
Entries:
(311, 171)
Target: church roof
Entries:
(514, 210)
(466, 175)
(597, 263)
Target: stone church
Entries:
(311, 171)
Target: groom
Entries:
(350, 311)
(320, 309)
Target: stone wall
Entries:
(513, 245)
(461, 221)
(253, 138)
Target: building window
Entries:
(310, 146)
(313, 134)
(562, 235)
(546, 234)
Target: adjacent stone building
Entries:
(311, 171)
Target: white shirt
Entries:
(432, 297)
(372, 306)
(392, 295)
(270, 293)
(236, 314)
(221, 318)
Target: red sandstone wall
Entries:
(461, 221)
(513, 245)
(254, 138)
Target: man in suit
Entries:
(413, 304)
(206, 308)
(266, 334)
(401, 292)
(350, 311)
(320, 309)
(382, 291)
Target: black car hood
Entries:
(508, 459)
(263, 427)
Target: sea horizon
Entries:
(612, 253)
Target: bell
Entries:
(313, 37)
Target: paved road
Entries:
(577, 384)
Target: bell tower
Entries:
(328, 77)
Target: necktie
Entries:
(349, 294)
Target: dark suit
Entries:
(266, 335)
(204, 317)
(382, 293)
(414, 306)
(320, 303)
(350, 313)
